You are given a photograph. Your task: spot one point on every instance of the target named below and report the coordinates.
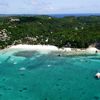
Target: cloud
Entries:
(3, 4)
(49, 6)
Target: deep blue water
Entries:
(48, 77)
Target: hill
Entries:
(77, 32)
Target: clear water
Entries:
(48, 77)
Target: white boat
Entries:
(97, 75)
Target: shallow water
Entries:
(48, 77)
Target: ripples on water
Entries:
(29, 75)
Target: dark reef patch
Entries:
(26, 54)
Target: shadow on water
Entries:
(7, 59)
(33, 62)
(26, 54)
(39, 61)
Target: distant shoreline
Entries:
(53, 15)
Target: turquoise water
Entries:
(48, 77)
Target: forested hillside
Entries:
(71, 31)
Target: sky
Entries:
(49, 6)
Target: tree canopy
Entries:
(77, 32)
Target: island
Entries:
(69, 31)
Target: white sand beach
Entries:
(35, 47)
(50, 48)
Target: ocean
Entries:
(30, 75)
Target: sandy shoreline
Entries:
(58, 51)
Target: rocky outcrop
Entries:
(3, 35)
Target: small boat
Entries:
(97, 75)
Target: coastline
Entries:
(50, 48)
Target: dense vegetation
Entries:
(68, 31)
